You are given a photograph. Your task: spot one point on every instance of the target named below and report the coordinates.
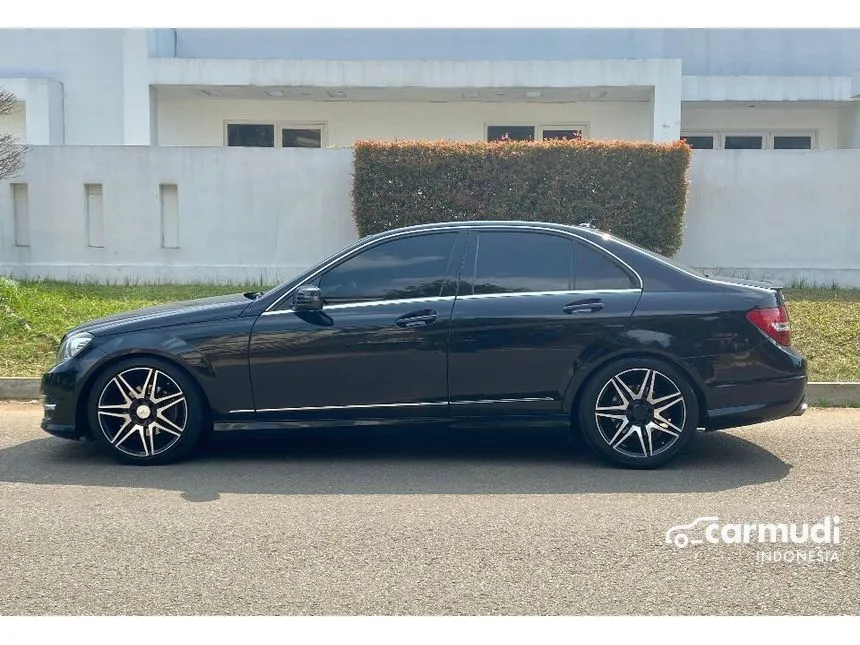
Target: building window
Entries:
(275, 135)
(250, 135)
(764, 140)
(699, 142)
(510, 133)
(742, 142)
(792, 142)
(301, 137)
(566, 133)
(535, 132)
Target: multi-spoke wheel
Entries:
(145, 411)
(638, 412)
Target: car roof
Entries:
(588, 231)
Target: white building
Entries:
(178, 87)
(143, 163)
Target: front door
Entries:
(377, 348)
(531, 306)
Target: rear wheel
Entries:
(639, 413)
(146, 411)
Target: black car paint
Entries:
(247, 363)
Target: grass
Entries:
(35, 315)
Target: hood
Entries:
(173, 313)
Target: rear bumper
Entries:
(759, 401)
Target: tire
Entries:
(638, 412)
(146, 411)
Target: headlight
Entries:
(72, 346)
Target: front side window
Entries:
(512, 262)
(411, 267)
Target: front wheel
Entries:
(145, 411)
(639, 412)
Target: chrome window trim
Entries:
(475, 296)
(420, 404)
(454, 227)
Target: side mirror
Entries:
(307, 298)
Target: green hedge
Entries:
(634, 190)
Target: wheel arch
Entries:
(586, 374)
(81, 417)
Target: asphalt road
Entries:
(421, 521)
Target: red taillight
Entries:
(773, 322)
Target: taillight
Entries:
(773, 322)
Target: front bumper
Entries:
(61, 387)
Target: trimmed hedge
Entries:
(634, 190)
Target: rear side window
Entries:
(594, 270)
(513, 262)
(411, 267)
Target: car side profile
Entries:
(463, 321)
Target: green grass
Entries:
(825, 327)
(35, 315)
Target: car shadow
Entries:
(396, 461)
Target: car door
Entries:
(377, 347)
(532, 304)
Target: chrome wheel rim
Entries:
(640, 413)
(142, 412)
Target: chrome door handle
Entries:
(417, 319)
(583, 306)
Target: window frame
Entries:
(282, 298)
(475, 249)
(318, 277)
(539, 127)
(322, 126)
(767, 136)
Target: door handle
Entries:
(417, 318)
(583, 306)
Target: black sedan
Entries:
(467, 321)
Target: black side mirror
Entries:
(307, 298)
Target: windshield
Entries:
(662, 258)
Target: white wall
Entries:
(201, 122)
(252, 214)
(788, 215)
(824, 119)
(88, 63)
(244, 214)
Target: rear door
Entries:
(531, 305)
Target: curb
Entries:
(834, 394)
(19, 388)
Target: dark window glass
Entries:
(518, 262)
(511, 132)
(301, 138)
(743, 143)
(251, 135)
(699, 142)
(562, 134)
(787, 142)
(412, 267)
(594, 270)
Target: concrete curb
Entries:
(835, 394)
(19, 388)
